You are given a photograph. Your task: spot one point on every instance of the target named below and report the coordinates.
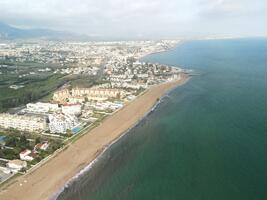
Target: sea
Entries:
(206, 140)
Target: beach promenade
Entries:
(49, 178)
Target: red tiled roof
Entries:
(23, 152)
(71, 104)
(38, 146)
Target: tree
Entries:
(37, 140)
(11, 141)
(1, 153)
(23, 139)
(24, 143)
(135, 77)
(23, 170)
(68, 132)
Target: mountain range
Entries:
(8, 32)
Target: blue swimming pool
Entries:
(75, 130)
(2, 139)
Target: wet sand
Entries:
(50, 177)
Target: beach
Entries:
(49, 178)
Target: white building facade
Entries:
(60, 123)
(40, 107)
(22, 122)
(72, 109)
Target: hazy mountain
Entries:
(9, 32)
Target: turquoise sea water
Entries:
(207, 140)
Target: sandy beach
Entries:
(43, 182)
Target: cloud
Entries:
(138, 17)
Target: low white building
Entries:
(142, 75)
(22, 122)
(79, 100)
(60, 123)
(72, 109)
(16, 165)
(41, 146)
(26, 155)
(98, 94)
(40, 107)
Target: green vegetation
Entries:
(33, 91)
(16, 141)
(53, 146)
(36, 84)
(15, 146)
(85, 81)
(139, 91)
(99, 116)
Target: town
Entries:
(96, 80)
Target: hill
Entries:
(8, 32)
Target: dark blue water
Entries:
(206, 141)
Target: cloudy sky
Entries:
(140, 18)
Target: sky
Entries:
(140, 18)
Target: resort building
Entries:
(60, 123)
(72, 109)
(61, 95)
(41, 146)
(96, 94)
(27, 155)
(16, 165)
(107, 105)
(40, 107)
(99, 92)
(75, 100)
(84, 94)
(22, 122)
(134, 86)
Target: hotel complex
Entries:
(22, 122)
(60, 123)
(54, 118)
(40, 107)
(81, 94)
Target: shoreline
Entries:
(50, 179)
(91, 164)
(180, 42)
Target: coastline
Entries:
(91, 164)
(51, 177)
(180, 42)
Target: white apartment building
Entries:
(22, 122)
(74, 95)
(72, 109)
(135, 86)
(16, 165)
(40, 107)
(60, 123)
(75, 100)
(101, 92)
(61, 95)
